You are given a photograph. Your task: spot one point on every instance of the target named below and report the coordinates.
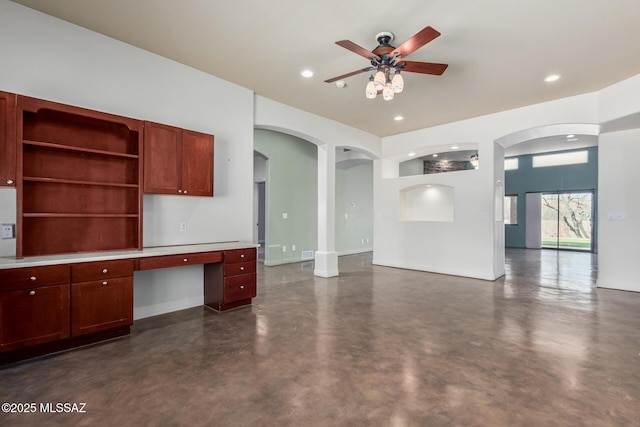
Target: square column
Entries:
(326, 258)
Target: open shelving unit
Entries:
(80, 180)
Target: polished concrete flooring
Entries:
(375, 346)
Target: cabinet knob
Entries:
(184, 260)
(241, 286)
(32, 293)
(241, 268)
(105, 283)
(104, 270)
(33, 278)
(242, 256)
(9, 181)
(180, 191)
(185, 191)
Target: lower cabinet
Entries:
(232, 283)
(101, 296)
(33, 316)
(50, 308)
(101, 304)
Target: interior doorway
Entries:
(566, 220)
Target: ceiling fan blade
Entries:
(424, 67)
(416, 42)
(353, 73)
(349, 45)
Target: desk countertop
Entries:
(35, 261)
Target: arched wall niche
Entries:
(427, 202)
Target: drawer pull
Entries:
(105, 283)
(184, 260)
(104, 270)
(32, 293)
(33, 278)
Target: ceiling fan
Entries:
(386, 58)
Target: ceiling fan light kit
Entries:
(386, 58)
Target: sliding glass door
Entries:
(566, 220)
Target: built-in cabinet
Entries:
(7, 139)
(101, 296)
(55, 307)
(233, 283)
(177, 161)
(34, 306)
(79, 181)
(80, 175)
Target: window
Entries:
(511, 164)
(560, 159)
(511, 209)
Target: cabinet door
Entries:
(197, 163)
(101, 305)
(33, 316)
(8, 142)
(162, 159)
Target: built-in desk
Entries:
(52, 303)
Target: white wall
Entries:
(473, 244)
(50, 59)
(619, 210)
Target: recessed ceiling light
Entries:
(306, 73)
(411, 154)
(552, 78)
(341, 84)
(454, 147)
(434, 155)
(398, 118)
(571, 136)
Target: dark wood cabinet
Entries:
(8, 144)
(177, 161)
(34, 306)
(167, 261)
(101, 296)
(233, 283)
(79, 180)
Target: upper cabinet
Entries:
(79, 181)
(7, 139)
(177, 161)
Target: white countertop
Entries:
(35, 261)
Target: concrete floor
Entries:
(374, 346)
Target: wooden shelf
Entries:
(75, 215)
(80, 182)
(56, 146)
(76, 182)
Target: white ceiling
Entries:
(498, 51)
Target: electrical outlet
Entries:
(284, 249)
(183, 226)
(8, 231)
(293, 248)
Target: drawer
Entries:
(238, 288)
(239, 268)
(33, 277)
(166, 261)
(239, 255)
(98, 270)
